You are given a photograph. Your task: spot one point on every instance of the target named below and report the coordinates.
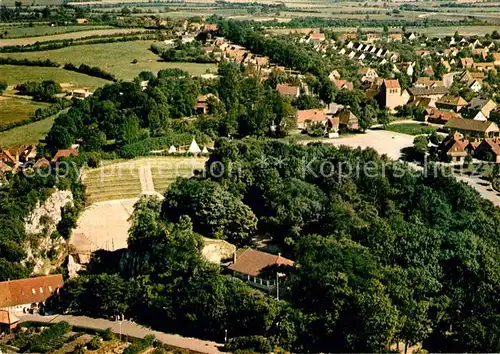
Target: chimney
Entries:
(234, 257)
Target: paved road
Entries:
(131, 329)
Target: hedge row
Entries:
(58, 44)
(28, 62)
(91, 71)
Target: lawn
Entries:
(411, 128)
(44, 30)
(13, 109)
(26, 134)
(115, 58)
(15, 74)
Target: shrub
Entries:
(258, 344)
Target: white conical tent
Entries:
(194, 148)
(172, 149)
(205, 150)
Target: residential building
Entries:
(367, 74)
(256, 267)
(29, 294)
(343, 85)
(211, 27)
(395, 37)
(475, 85)
(348, 120)
(66, 153)
(479, 109)
(496, 58)
(334, 75)
(484, 66)
(347, 36)
(452, 148)
(489, 150)
(202, 103)
(425, 82)
(309, 116)
(466, 63)
(82, 21)
(433, 93)
(438, 116)
(471, 127)
(449, 101)
(372, 37)
(288, 90)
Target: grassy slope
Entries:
(27, 134)
(114, 57)
(15, 74)
(44, 30)
(13, 109)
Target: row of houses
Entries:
(25, 156)
(455, 147)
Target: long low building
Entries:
(29, 294)
(484, 129)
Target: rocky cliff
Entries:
(44, 247)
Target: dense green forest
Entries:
(392, 255)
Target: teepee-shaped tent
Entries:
(194, 148)
(205, 150)
(172, 149)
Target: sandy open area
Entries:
(383, 141)
(103, 225)
(70, 35)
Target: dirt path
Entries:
(131, 329)
(146, 178)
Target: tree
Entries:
(368, 117)
(3, 87)
(126, 11)
(420, 144)
(214, 211)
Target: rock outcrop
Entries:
(42, 248)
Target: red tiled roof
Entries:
(314, 115)
(28, 291)
(391, 84)
(252, 262)
(287, 90)
(65, 153)
(317, 36)
(211, 27)
(494, 145)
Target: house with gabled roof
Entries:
(348, 120)
(451, 102)
(65, 153)
(288, 90)
(28, 294)
(439, 116)
(257, 267)
(343, 85)
(489, 150)
(466, 63)
(367, 74)
(395, 37)
(306, 117)
(453, 148)
(479, 109)
(473, 127)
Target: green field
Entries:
(26, 134)
(14, 109)
(15, 74)
(411, 128)
(115, 58)
(44, 30)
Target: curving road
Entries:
(128, 328)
